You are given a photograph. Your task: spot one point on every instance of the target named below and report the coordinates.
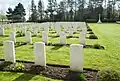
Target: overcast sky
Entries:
(4, 4)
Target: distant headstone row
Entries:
(29, 29)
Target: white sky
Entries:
(4, 4)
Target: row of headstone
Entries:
(71, 28)
(76, 54)
(83, 34)
(28, 37)
(67, 26)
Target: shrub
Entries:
(108, 75)
(89, 29)
(20, 35)
(69, 36)
(75, 33)
(93, 36)
(34, 35)
(81, 76)
(19, 67)
(97, 46)
(91, 32)
(1, 44)
(18, 32)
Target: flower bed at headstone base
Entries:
(60, 72)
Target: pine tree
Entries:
(32, 5)
(52, 5)
(19, 13)
(61, 11)
(16, 15)
(9, 13)
(71, 11)
(80, 12)
(40, 9)
(34, 15)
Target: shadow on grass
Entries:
(37, 36)
(68, 37)
(54, 36)
(95, 46)
(76, 33)
(56, 47)
(18, 44)
(40, 36)
(52, 32)
(24, 77)
(1, 44)
(20, 35)
(57, 44)
(4, 35)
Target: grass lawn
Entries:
(8, 76)
(108, 36)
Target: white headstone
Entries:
(71, 31)
(62, 38)
(35, 31)
(23, 29)
(58, 28)
(28, 38)
(14, 30)
(46, 27)
(1, 31)
(82, 38)
(74, 25)
(13, 37)
(84, 30)
(52, 26)
(40, 53)
(45, 37)
(9, 51)
(76, 57)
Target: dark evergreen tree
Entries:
(16, 15)
(61, 11)
(19, 13)
(40, 9)
(80, 11)
(32, 5)
(9, 13)
(52, 5)
(34, 15)
(71, 9)
(109, 9)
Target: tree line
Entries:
(68, 10)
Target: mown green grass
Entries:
(8, 76)
(108, 36)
